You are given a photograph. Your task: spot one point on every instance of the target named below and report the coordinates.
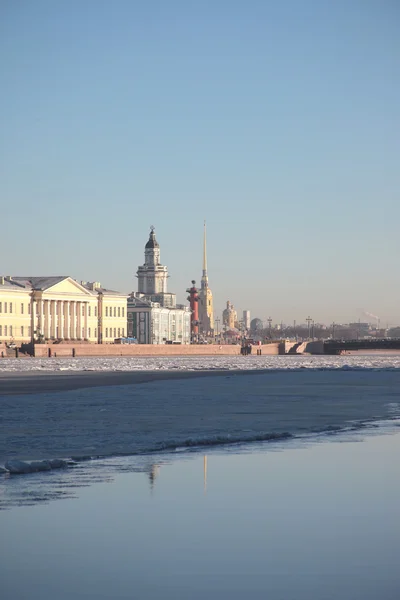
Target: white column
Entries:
(60, 323)
(46, 318)
(79, 320)
(72, 323)
(40, 316)
(66, 310)
(86, 304)
(53, 319)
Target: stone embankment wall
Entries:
(42, 350)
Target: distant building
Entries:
(59, 308)
(151, 323)
(229, 316)
(256, 325)
(246, 319)
(206, 309)
(362, 329)
(153, 315)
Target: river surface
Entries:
(281, 483)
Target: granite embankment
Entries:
(43, 350)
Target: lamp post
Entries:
(309, 319)
(217, 321)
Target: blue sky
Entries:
(278, 122)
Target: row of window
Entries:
(109, 311)
(8, 307)
(120, 312)
(117, 332)
(10, 330)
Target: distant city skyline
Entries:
(277, 124)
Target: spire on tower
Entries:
(204, 279)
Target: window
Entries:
(1, 307)
(10, 307)
(106, 331)
(115, 311)
(5, 329)
(95, 332)
(119, 311)
(83, 310)
(106, 311)
(119, 332)
(29, 331)
(123, 311)
(5, 307)
(11, 330)
(83, 333)
(90, 311)
(123, 334)
(22, 309)
(89, 332)
(95, 311)
(22, 330)
(115, 332)
(1, 330)
(29, 308)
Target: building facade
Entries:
(153, 315)
(151, 323)
(206, 308)
(58, 308)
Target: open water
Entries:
(304, 398)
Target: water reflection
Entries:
(153, 474)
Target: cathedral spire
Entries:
(204, 279)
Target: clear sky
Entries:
(278, 122)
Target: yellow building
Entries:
(59, 308)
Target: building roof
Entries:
(34, 283)
(42, 283)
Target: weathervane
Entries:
(152, 228)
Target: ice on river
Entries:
(370, 361)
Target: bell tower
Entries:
(152, 276)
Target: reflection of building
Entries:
(153, 474)
(246, 319)
(153, 315)
(206, 310)
(229, 316)
(59, 308)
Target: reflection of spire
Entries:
(204, 279)
(205, 474)
(153, 474)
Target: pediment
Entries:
(71, 287)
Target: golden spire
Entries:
(205, 277)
